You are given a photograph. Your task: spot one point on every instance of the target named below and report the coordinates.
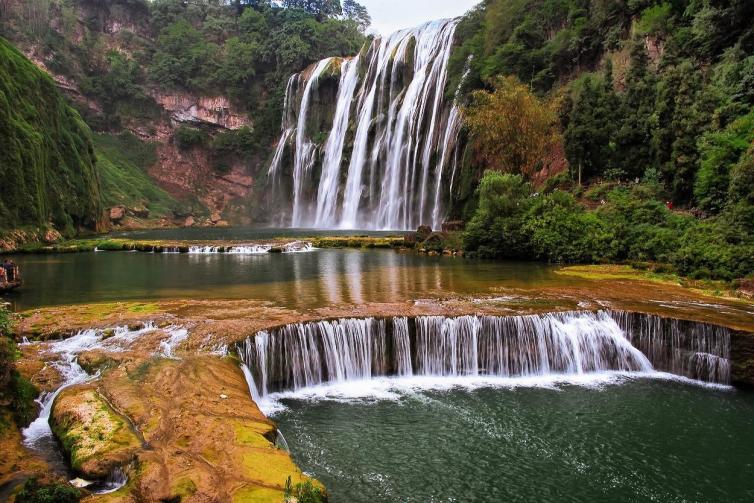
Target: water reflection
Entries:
(299, 280)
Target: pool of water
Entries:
(298, 280)
(634, 440)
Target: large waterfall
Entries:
(370, 142)
(307, 354)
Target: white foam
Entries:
(176, 336)
(396, 388)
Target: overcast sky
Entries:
(392, 15)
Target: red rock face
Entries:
(192, 173)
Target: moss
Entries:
(92, 434)
(47, 161)
(653, 274)
(256, 494)
(123, 161)
(253, 437)
(184, 488)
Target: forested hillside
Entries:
(200, 84)
(47, 162)
(650, 102)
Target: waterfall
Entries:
(305, 148)
(568, 344)
(695, 350)
(384, 162)
(327, 196)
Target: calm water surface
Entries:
(299, 280)
(643, 440)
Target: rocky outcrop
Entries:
(214, 111)
(191, 174)
(742, 358)
(94, 437)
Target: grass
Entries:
(613, 272)
(123, 161)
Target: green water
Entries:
(298, 280)
(643, 440)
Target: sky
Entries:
(392, 15)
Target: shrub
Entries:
(34, 491)
(304, 492)
(187, 137)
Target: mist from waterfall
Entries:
(385, 155)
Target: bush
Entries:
(633, 226)
(187, 137)
(34, 491)
(305, 492)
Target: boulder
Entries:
(453, 226)
(423, 232)
(52, 236)
(95, 438)
(117, 214)
(139, 212)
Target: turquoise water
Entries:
(643, 440)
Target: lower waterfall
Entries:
(304, 355)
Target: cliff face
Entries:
(47, 161)
(106, 30)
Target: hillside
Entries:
(166, 71)
(47, 161)
(634, 138)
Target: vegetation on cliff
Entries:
(120, 51)
(656, 117)
(17, 394)
(122, 162)
(47, 162)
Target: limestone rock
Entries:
(94, 437)
(117, 214)
(51, 236)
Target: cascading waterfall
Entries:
(684, 348)
(569, 344)
(390, 143)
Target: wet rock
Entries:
(94, 437)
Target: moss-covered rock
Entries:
(47, 160)
(95, 438)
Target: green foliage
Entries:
(720, 152)
(34, 491)
(123, 161)
(304, 492)
(46, 154)
(631, 225)
(188, 137)
(23, 406)
(6, 322)
(654, 20)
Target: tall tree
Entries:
(511, 129)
